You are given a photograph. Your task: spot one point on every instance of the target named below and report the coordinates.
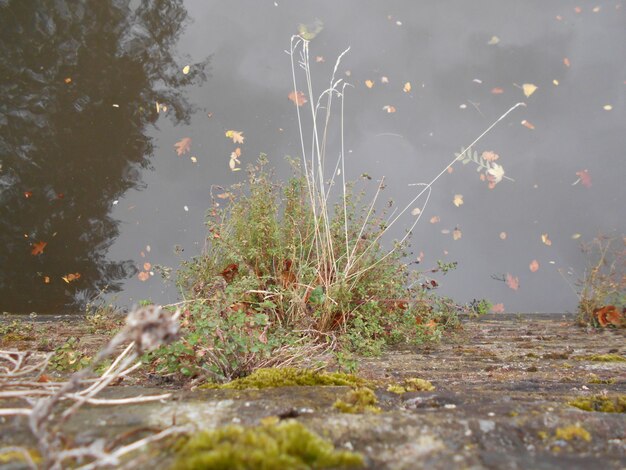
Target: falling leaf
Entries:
(566, 62)
(497, 172)
(458, 200)
(389, 109)
(497, 308)
(502, 235)
(384, 79)
(456, 233)
(143, 276)
(434, 219)
(298, 98)
(490, 156)
(529, 89)
(71, 277)
(407, 87)
(493, 41)
(607, 107)
(416, 211)
(319, 59)
(68, 80)
(556, 82)
(194, 159)
(46, 279)
(528, 124)
(186, 69)
(38, 248)
(545, 239)
(497, 91)
(576, 236)
(512, 282)
(578, 9)
(28, 194)
(584, 178)
(146, 266)
(369, 83)
(237, 136)
(533, 266)
(183, 146)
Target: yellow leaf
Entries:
(529, 89)
(369, 83)
(545, 239)
(237, 136)
(556, 82)
(458, 200)
(186, 69)
(407, 87)
(607, 107)
(576, 236)
(494, 40)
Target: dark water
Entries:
(89, 165)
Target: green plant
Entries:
(477, 308)
(68, 357)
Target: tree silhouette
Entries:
(79, 85)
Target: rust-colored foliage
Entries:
(609, 316)
(230, 272)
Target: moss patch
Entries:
(603, 358)
(360, 400)
(289, 377)
(284, 445)
(411, 385)
(600, 403)
(574, 431)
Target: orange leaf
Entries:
(497, 91)
(298, 98)
(369, 83)
(534, 266)
(38, 248)
(434, 219)
(28, 194)
(566, 62)
(183, 146)
(146, 266)
(237, 136)
(143, 276)
(528, 124)
(512, 282)
(71, 277)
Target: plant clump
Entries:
(600, 403)
(359, 400)
(290, 377)
(271, 290)
(411, 385)
(287, 444)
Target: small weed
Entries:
(602, 290)
(287, 444)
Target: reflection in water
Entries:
(79, 86)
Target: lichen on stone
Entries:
(574, 431)
(288, 445)
(616, 404)
(289, 377)
(360, 400)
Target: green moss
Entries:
(16, 456)
(594, 379)
(360, 400)
(601, 403)
(288, 445)
(411, 385)
(603, 358)
(574, 431)
(289, 377)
